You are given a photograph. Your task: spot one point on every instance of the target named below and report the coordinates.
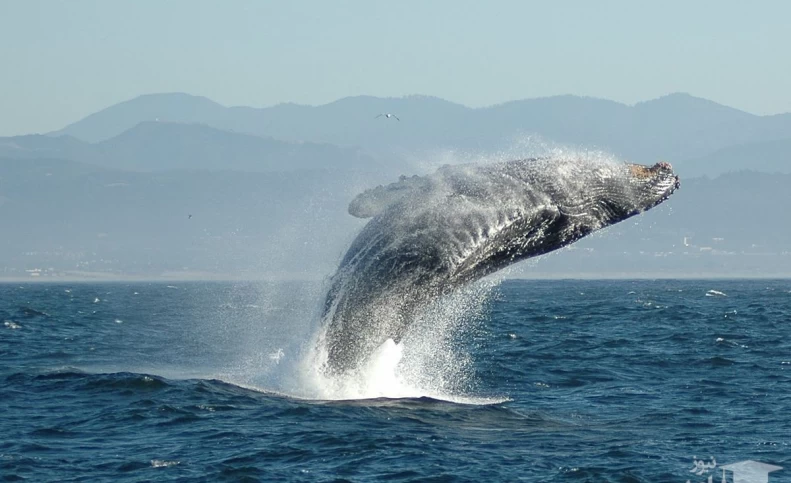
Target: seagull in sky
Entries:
(388, 116)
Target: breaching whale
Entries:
(429, 235)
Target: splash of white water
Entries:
(432, 360)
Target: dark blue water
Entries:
(572, 381)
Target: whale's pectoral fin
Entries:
(374, 201)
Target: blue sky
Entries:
(63, 60)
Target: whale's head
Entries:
(609, 193)
(535, 206)
(485, 217)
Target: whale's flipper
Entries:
(376, 200)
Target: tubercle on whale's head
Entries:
(650, 172)
(652, 184)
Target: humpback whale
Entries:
(429, 235)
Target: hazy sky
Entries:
(62, 60)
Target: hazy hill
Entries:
(170, 107)
(165, 145)
(41, 146)
(156, 146)
(674, 127)
(767, 157)
(75, 217)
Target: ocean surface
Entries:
(539, 381)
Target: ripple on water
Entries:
(611, 392)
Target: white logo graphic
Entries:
(747, 471)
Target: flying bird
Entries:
(189, 217)
(388, 116)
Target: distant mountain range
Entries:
(268, 188)
(677, 127)
(159, 146)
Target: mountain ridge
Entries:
(161, 145)
(675, 126)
